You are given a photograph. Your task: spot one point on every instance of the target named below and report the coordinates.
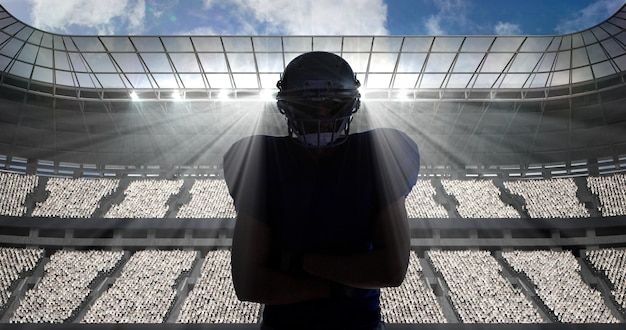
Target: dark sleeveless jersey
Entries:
(321, 204)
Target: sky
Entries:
(312, 17)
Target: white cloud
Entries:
(505, 28)
(307, 17)
(593, 14)
(102, 17)
(450, 14)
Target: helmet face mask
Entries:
(318, 94)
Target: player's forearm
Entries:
(367, 270)
(272, 287)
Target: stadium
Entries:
(114, 212)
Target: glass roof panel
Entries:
(44, 58)
(86, 80)
(612, 47)
(357, 44)
(447, 44)
(556, 43)
(213, 62)
(156, 62)
(328, 44)
(237, 44)
(246, 80)
(267, 44)
(358, 61)
(21, 69)
(117, 44)
(599, 33)
(386, 44)
(298, 44)
(411, 62)
(577, 40)
(99, 62)
(165, 80)
(439, 62)
(6, 20)
(563, 60)
(207, 44)
(618, 22)
(621, 62)
(566, 42)
(241, 62)
(4, 62)
(559, 78)
(88, 44)
(270, 62)
(477, 44)
(219, 80)
(43, 74)
(110, 81)
(468, 62)
(58, 43)
(496, 62)
(11, 48)
(538, 80)
(128, 62)
(147, 44)
(60, 60)
(46, 41)
(431, 80)
(611, 29)
(185, 62)
(376, 80)
(547, 62)
(536, 44)
(579, 57)
(405, 80)
(383, 62)
(458, 80)
(64, 78)
(77, 63)
(514, 81)
(139, 80)
(485, 80)
(24, 33)
(581, 74)
(507, 44)
(28, 53)
(35, 37)
(603, 69)
(596, 53)
(13, 28)
(417, 44)
(192, 80)
(3, 38)
(268, 81)
(177, 44)
(525, 62)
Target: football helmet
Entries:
(318, 94)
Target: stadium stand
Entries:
(478, 291)
(66, 283)
(213, 298)
(557, 281)
(145, 290)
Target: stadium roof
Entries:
(576, 79)
(243, 63)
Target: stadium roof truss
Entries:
(502, 87)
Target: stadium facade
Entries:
(497, 108)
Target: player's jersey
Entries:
(322, 205)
